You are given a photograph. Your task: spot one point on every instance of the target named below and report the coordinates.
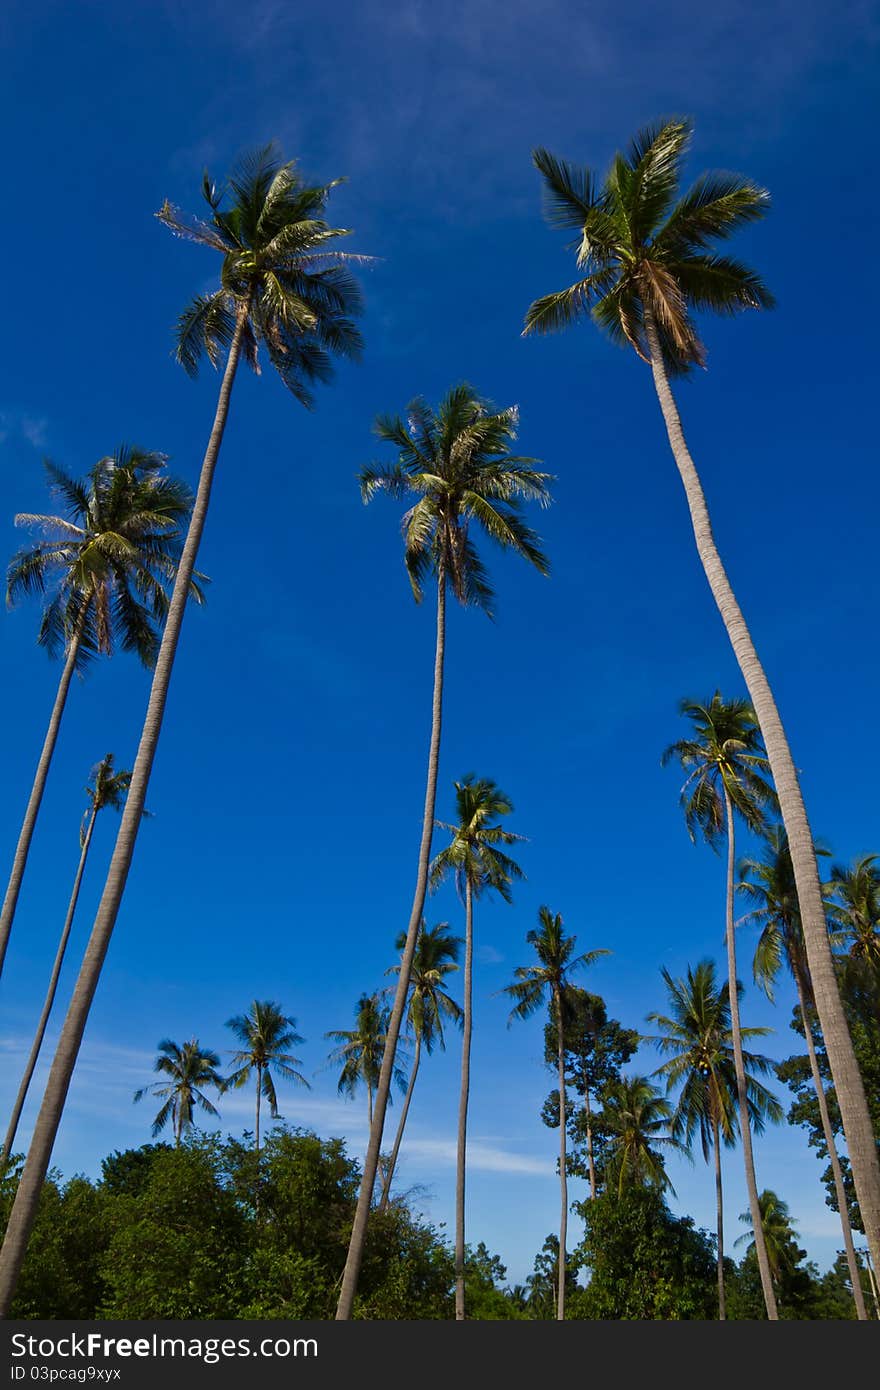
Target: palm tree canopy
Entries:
(557, 962)
(189, 1068)
(697, 1038)
(458, 465)
(109, 559)
(266, 1034)
(768, 883)
(435, 957)
(780, 1235)
(646, 248)
(855, 909)
(280, 272)
(474, 856)
(638, 1119)
(360, 1049)
(106, 788)
(724, 755)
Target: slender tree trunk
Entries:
(739, 1068)
(590, 1161)
(24, 1208)
(719, 1208)
(26, 834)
(50, 994)
(257, 1121)
(855, 1273)
(392, 1162)
(464, 1094)
(370, 1105)
(371, 1159)
(563, 1176)
(858, 1130)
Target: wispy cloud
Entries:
(18, 424)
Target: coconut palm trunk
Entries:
(719, 1210)
(591, 1164)
(839, 1189)
(50, 993)
(26, 834)
(463, 1097)
(563, 1177)
(860, 1141)
(24, 1208)
(739, 1068)
(392, 1162)
(257, 1115)
(371, 1159)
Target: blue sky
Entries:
(286, 796)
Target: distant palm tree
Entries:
(457, 466)
(106, 789)
(649, 259)
(284, 286)
(698, 1039)
(769, 884)
(266, 1034)
(190, 1069)
(533, 983)
(639, 1121)
(475, 859)
(107, 564)
(726, 771)
(855, 911)
(360, 1050)
(778, 1233)
(435, 957)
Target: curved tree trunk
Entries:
(563, 1176)
(464, 1094)
(739, 1068)
(855, 1273)
(50, 994)
(26, 834)
(371, 1159)
(858, 1130)
(392, 1162)
(719, 1209)
(590, 1160)
(24, 1209)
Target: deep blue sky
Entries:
(287, 791)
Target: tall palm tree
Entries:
(283, 287)
(649, 258)
(457, 467)
(435, 958)
(768, 882)
(855, 911)
(360, 1050)
(107, 788)
(476, 860)
(104, 566)
(726, 777)
(190, 1069)
(265, 1034)
(698, 1039)
(532, 984)
(638, 1119)
(777, 1231)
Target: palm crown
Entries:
(474, 855)
(780, 1236)
(281, 276)
(638, 1119)
(646, 249)
(769, 884)
(457, 463)
(109, 559)
(855, 912)
(360, 1049)
(106, 788)
(189, 1068)
(266, 1034)
(556, 964)
(435, 957)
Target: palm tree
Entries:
(435, 957)
(649, 261)
(698, 1039)
(477, 862)
(638, 1119)
(855, 912)
(556, 964)
(190, 1069)
(106, 564)
(726, 776)
(361, 1049)
(777, 1231)
(457, 466)
(106, 789)
(284, 288)
(768, 883)
(265, 1034)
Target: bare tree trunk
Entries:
(50, 994)
(26, 834)
(464, 1094)
(839, 1189)
(24, 1208)
(563, 1176)
(257, 1121)
(858, 1130)
(590, 1162)
(719, 1208)
(739, 1068)
(392, 1162)
(371, 1159)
